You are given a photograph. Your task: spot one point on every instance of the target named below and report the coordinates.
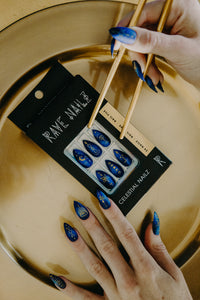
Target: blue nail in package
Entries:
(123, 169)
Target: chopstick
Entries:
(163, 18)
(115, 64)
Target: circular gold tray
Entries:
(37, 194)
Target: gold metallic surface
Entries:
(37, 194)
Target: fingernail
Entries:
(70, 232)
(138, 69)
(81, 211)
(59, 282)
(103, 200)
(123, 34)
(159, 86)
(156, 224)
(150, 83)
(112, 45)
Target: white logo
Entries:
(159, 161)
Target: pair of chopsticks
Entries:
(133, 22)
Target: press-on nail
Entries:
(156, 224)
(123, 34)
(70, 232)
(159, 86)
(81, 211)
(112, 45)
(103, 200)
(138, 69)
(59, 282)
(150, 83)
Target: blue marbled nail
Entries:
(59, 282)
(159, 86)
(82, 158)
(70, 232)
(102, 138)
(105, 179)
(112, 45)
(138, 69)
(123, 34)
(122, 157)
(81, 211)
(156, 224)
(150, 83)
(114, 168)
(92, 148)
(103, 200)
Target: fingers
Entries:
(105, 245)
(139, 256)
(92, 263)
(158, 250)
(72, 290)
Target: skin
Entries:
(179, 44)
(151, 274)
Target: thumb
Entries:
(157, 249)
(147, 41)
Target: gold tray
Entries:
(37, 194)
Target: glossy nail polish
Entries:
(70, 232)
(112, 45)
(105, 179)
(101, 138)
(138, 69)
(114, 168)
(150, 83)
(82, 158)
(103, 200)
(159, 86)
(81, 211)
(59, 282)
(156, 224)
(92, 148)
(122, 157)
(123, 34)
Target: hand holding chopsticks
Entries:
(117, 60)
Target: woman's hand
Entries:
(179, 45)
(151, 274)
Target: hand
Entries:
(151, 274)
(179, 44)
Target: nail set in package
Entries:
(101, 157)
(96, 157)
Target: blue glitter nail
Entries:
(122, 157)
(82, 158)
(138, 69)
(156, 224)
(92, 148)
(105, 179)
(81, 211)
(150, 83)
(101, 137)
(70, 232)
(115, 168)
(59, 282)
(159, 86)
(123, 34)
(112, 45)
(103, 200)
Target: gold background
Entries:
(15, 283)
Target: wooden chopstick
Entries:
(163, 18)
(115, 64)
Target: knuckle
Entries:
(149, 41)
(108, 247)
(88, 297)
(129, 233)
(96, 268)
(159, 248)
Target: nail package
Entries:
(96, 157)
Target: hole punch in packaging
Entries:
(55, 116)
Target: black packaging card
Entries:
(96, 157)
